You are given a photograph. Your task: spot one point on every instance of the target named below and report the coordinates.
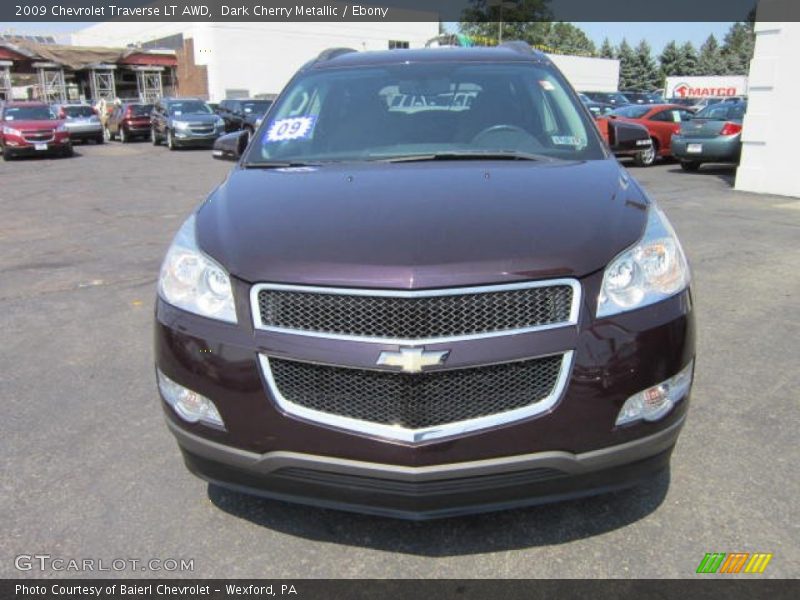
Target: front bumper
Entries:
(188, 138)
(714, 149)
(419, 493)
(548, 456)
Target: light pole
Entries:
(502, 4)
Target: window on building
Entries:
(397, 44)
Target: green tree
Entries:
(566, 38)
(671, 60)
(627, 65)
(711, 61)
(526, 20)
(737, 48)
(607, 50)
(689, 60)
(645, 72)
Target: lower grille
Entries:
(459, 485)
(38, 136)
(415, 401)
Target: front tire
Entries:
(154, 137)
(647, 157)
(100, 139)
(68, 151)
(123, 137)
(171, 141)
(690, 165)
(7, 155)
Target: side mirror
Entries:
(230, 146)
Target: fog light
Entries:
(189, 405)
(655, 402)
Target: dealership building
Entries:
(219, 60)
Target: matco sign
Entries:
(706, 87)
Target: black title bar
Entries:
(398, 10)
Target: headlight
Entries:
(12, 131)
(193, 281)
(180, 125)
(652, 270)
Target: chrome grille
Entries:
(415, 316)
(35, 136)
(415, 401)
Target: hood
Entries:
(421, 225)
(35, 125)
(194, 118)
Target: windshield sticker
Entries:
(546, 85)
(567, 140)
(294, 128)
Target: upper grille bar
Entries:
(419, 316)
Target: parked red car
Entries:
(31, 128)
(661, 121)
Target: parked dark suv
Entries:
(426, 310)
(243, 114)
(181, 122)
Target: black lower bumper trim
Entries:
(429, 499)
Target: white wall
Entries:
(769, 137)
(588, 74)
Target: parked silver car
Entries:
(81, 121)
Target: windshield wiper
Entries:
(279, 164)
(469, 155)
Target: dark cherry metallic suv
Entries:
(428, 307)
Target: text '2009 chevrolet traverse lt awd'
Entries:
(424, 308)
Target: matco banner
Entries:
(706, 87)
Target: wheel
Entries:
(7, 154)
(67, 152)
(100, 139)
(647, 157)
(170, 140)
(690, 165)
(154, 137)
(123, 137)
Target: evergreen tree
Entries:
(711, 61)
(607, 50)
(646, 75)
(627, 65)
(737, 48)
(671, 60)
(689, 60)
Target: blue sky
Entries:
(657, 34)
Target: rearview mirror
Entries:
(230, 146)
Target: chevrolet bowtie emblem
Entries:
(412, 360)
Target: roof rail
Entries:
(331, 53)
(521, 47)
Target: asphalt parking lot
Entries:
(90, 470)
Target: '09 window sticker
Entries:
(293, 128)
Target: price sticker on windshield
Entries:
(294, 128)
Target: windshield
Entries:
(407, 110)
(78, 111)
(189, 107)
(140, 110)
(633, 111)
(28, 113)
(723, 112)
(258, 107)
